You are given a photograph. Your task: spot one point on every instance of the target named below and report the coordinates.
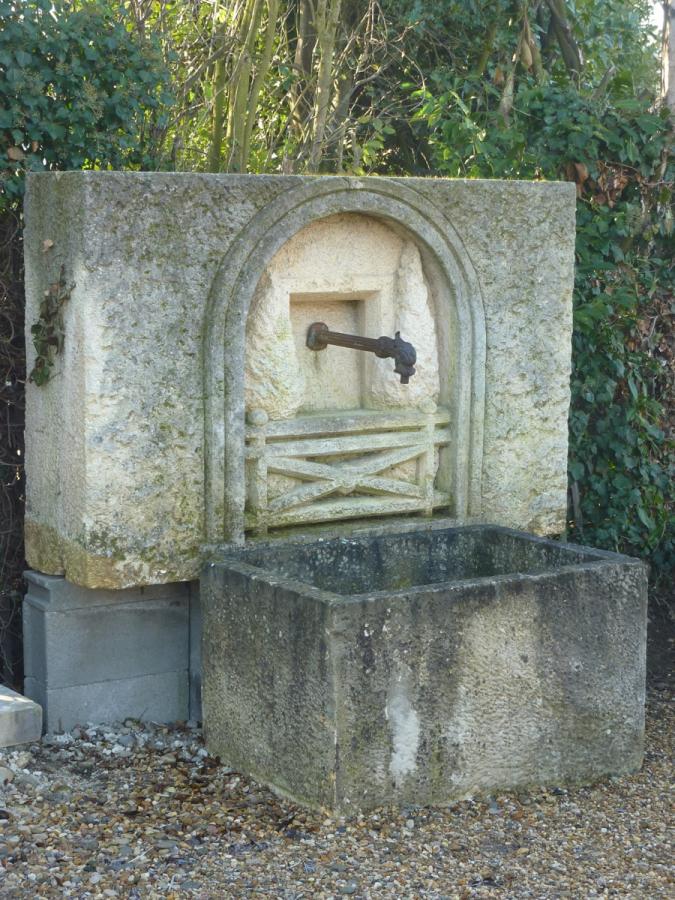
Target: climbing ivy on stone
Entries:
(47, 332)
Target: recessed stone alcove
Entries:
(423, 253)
(357, 273)
(321, 389)
(363, 277)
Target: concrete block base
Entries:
(102, 655)
(20, 719)
(425, 666)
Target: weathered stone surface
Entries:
(519, 242)
(148, 392)
(20, 718)
(333, 466)
(423, 667)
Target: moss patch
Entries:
(52, 553)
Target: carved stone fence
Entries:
(343, 466)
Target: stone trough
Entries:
(423, 665)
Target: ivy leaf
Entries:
(576, 470)
(632, 387)
(645, 518)
(23, 58)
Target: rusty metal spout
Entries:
(319, 336)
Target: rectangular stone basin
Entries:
(424, 665)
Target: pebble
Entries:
(6, 775)
(26, 779)
(163, 819)
(165, 845)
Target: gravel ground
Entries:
(143, 811)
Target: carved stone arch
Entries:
(405, 210)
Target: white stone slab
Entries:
(20, 718)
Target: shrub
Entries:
(77, 90)
(615, 150)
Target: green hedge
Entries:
(621, 464)
(78, 89)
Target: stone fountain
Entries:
(384, 618)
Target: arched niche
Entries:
(460, 322)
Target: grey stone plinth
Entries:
(152, 698)
(100, 656)
(423, 666)
(195, 703)
(20, 718)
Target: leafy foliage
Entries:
(77, 90)
(288, 86)
(614, 145)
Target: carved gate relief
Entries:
(343, 466)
